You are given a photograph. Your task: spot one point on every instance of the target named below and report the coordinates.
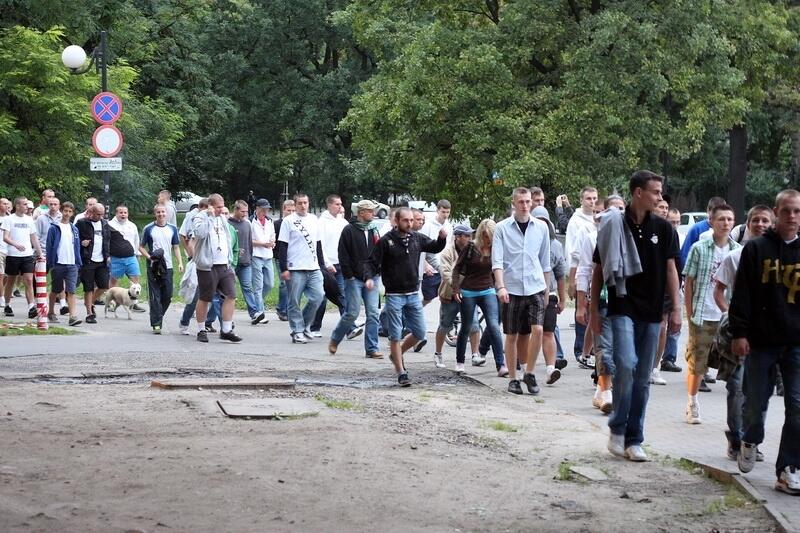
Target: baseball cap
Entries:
(263, 202)
(29, 205)
(541, 212)
(366, 205)
(462, 229)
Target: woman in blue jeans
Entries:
(473, 285)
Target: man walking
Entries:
(705, 257)
(627, 243)
(356, 243)
(396, 259)
(431, 277)
(19, 233)
(282, 309)
(331, 226)
(124, 250)
(244, 270)
(580, 224)
(95, 237)
(49, 217)
(301, 258)
(521, 266)
(213, 256)
(765, 325)
(63, 261)
(159, 241)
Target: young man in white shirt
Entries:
(19, 233)
(95, 244)
(581, 223)
(63, 261)
(90, 202)
(331, 226)
(301, 258)
(159, 242)
(5, 210)
(262, 233)
(431, 279)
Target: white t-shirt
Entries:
(66, 246)
(3, 245)
(262, 233)
(97, 247)
(711, 311)
(726, 273)
(161, 238)
(301, 235)
(219, 241)
(19, 229)
(186, 226)
(431, 230)
(129, 232)
(331, 228)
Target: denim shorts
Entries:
(63, 278)
(408, 308)
(122, 266)
(448, 312)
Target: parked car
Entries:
(382, 210)
(186, 201)
(690, 219)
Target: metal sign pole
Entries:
(102, 64)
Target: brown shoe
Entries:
(332, 346)
(375, 355)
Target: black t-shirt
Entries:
(523, 226)
(656, 241)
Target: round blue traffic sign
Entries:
(106, 108)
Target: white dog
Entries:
(119, 296)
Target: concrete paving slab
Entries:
(270, 408)
(224, 383)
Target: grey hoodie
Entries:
(202, 226)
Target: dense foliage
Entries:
(429, 98)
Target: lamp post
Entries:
(74, 58)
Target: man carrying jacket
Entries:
(764, 319)
(356, 243)
(396, 258)
(95, 237)
(63, 261)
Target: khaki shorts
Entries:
(2, 264)
(698, 346)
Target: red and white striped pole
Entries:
(41, 294)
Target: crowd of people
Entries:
(631, 274)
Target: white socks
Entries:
(227, 326)
(550, 369)
(201, 326)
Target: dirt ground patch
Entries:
(435, 457)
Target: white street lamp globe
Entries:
(73, 56)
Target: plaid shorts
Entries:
(521, 312)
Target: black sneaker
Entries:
(709, 379)
(514, 386)
(17, 294)
(91, 319)
(32, 312)
(530, 381)
(403, 380)
(8, 311)
(74, 321)
(136, 308)
(553, 377)
(202, 336)
(561, 364)
(230, 336)
(669, 366)
(210, 328)
(99, 302)
(282, 317)
(64, 310)
(258, 318)
(420, 345)
(704, 387)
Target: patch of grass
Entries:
(499, 425)
(30, 329)
(733, 499)
(424, 397)
(343, 405)
(564, 473)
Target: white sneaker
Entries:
(616, 445)
(316, 334)
(606, 402)
(460, 368)
(185, 330)
(692, 412)
(597, 399)
(747, 457)
(635, 453)
(478, 360)
(438, 360)
(590, 361)
(789, 481)
(655, 377)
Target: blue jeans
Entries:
(671, 347)
(283, 296)
(759, 381)
(580, 332)
(604, 346)
(308, 282)
(263, 279)
(635, 344)
(491, 313)
(214, 310)
(245, 273)
(408, 307)
(159, 293)
(735, 405)
(559, 348)
(356, 292)
(317, 324)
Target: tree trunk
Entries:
(737, 170)
(795, 158)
